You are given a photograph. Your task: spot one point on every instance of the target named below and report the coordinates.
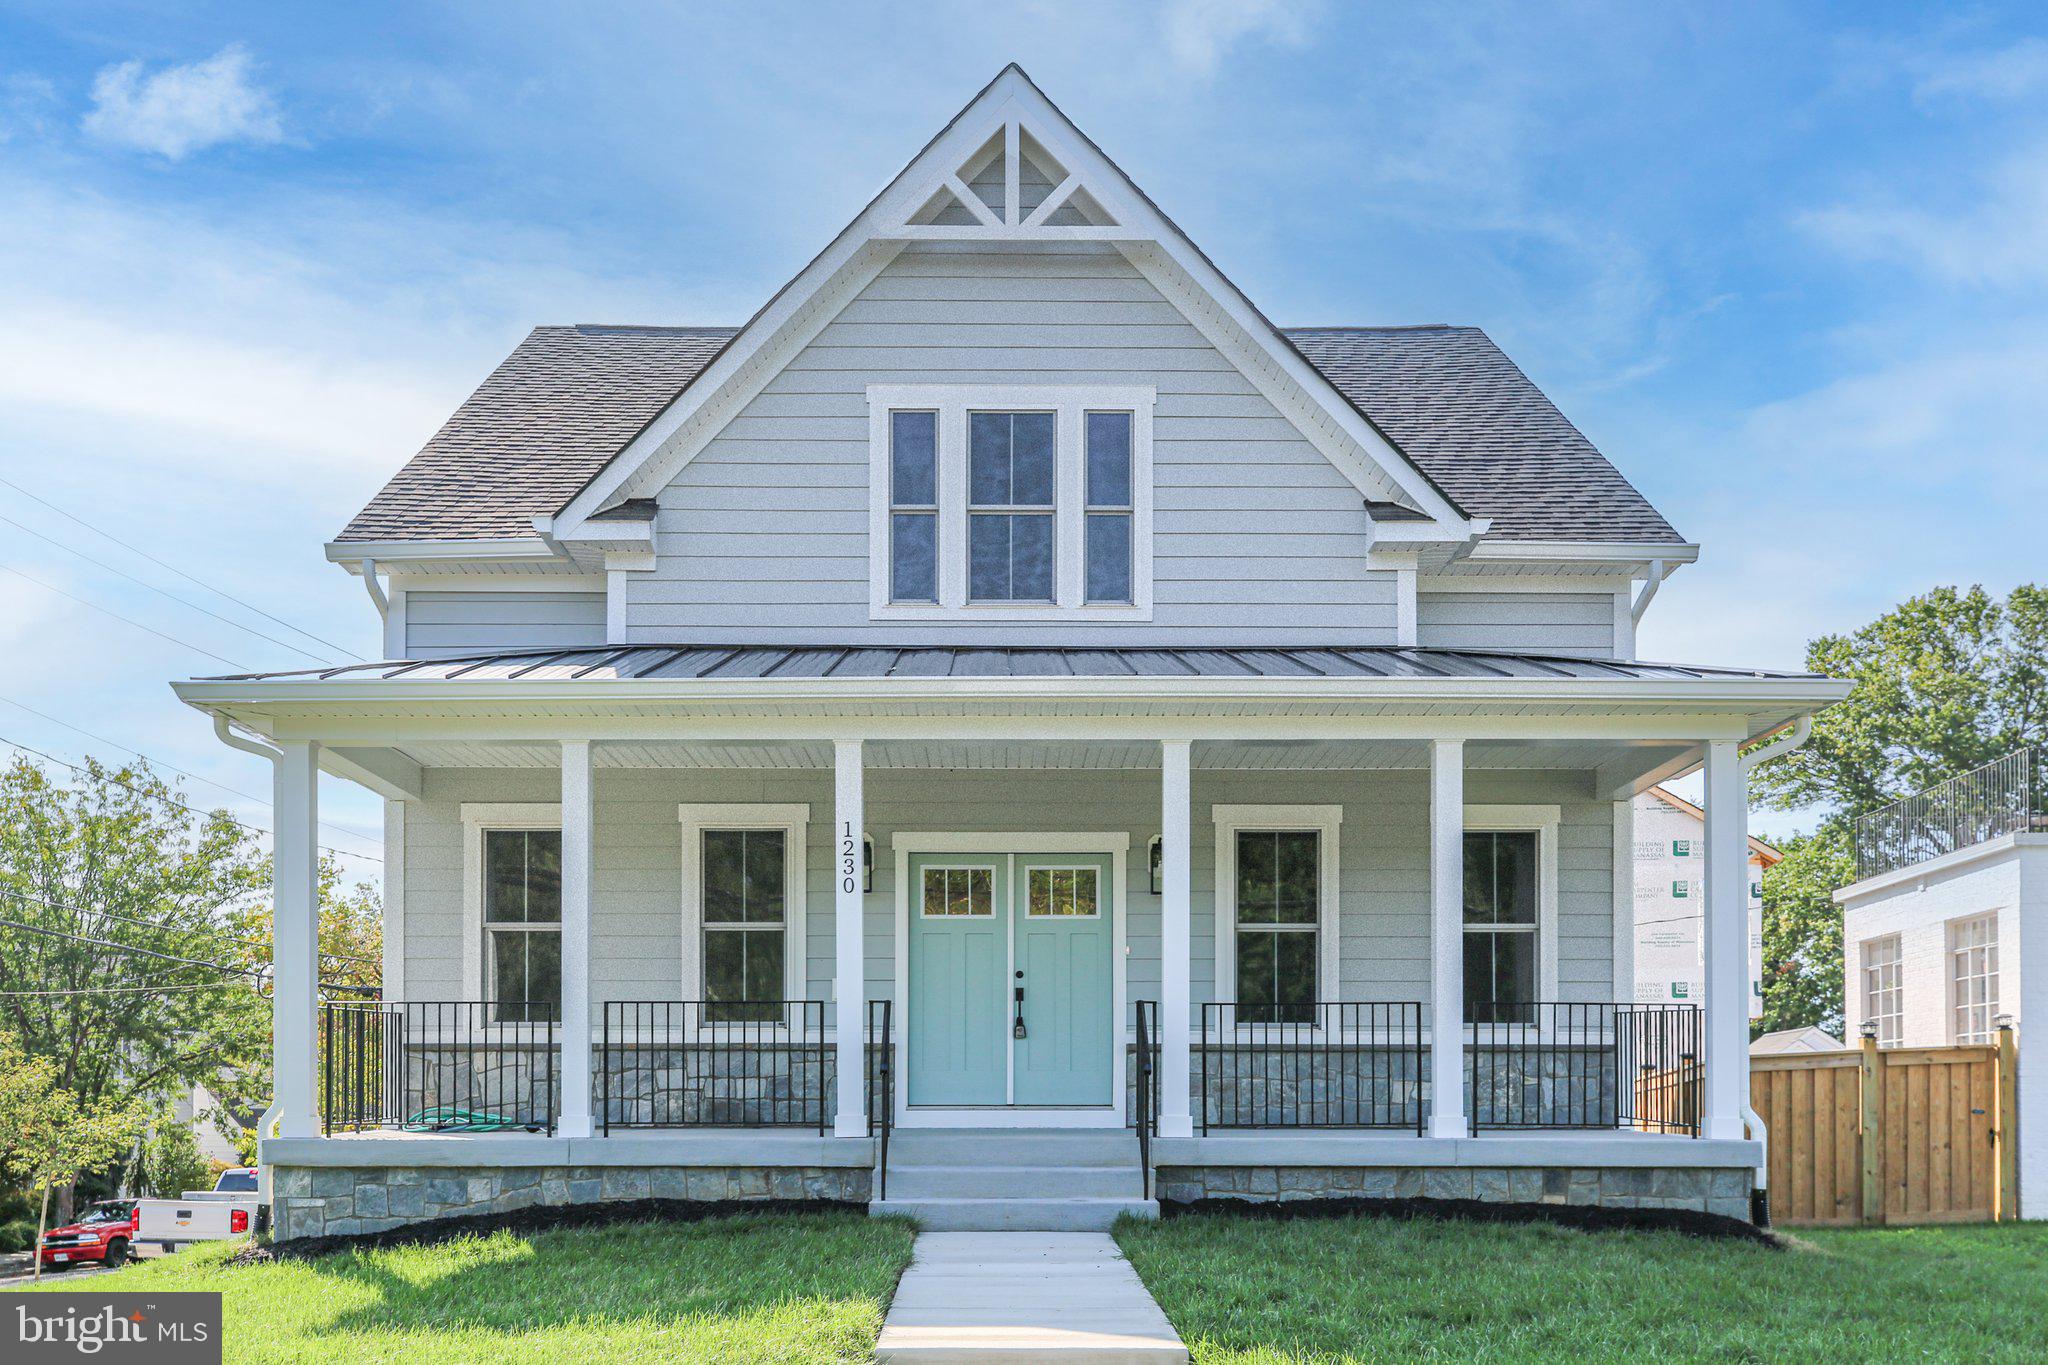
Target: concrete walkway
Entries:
(1012, 1296)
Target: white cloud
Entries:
(183, 109)
(26, 102)
(1201, 33)
(1991, 233)
(2004, 74)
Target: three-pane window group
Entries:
(1012, 507)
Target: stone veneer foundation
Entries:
(1694, 1189)
(336, 1201)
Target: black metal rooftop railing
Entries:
(2003, 797)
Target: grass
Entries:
(1244, 1290)
(758, 1288)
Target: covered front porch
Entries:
(1239, 918)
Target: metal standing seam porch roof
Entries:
(754, 662)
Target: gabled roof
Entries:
(1766, 854)
(568, 399)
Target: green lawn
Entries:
(1246, 1290)
(769, 1288)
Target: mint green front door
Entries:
(984, 928)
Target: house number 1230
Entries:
(849, 860)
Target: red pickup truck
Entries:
(105, 1234)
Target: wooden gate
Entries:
(1893, 1135)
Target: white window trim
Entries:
(1865, 994)
(1543, 822)
(479, 817)
(793, 820)
(1951, 932)
(953, 402)
(1327, 822)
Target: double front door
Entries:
(1010, 980)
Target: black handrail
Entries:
(1584, 1065)
(1322, 1064)
(714, 1064)
(439, 1066)
(881, 1090)
(1145, 1061)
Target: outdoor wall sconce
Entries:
(867, 863)
(1155, 855)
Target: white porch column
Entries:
(1447, 938)
(849, 913)
(578, 818)
(295, 937)
(1175, 937)
(1727, 942)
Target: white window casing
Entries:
(1973, 979)
(1326, 822)
(1884, 988)
(953, 403)
(1543, 822)
(792, 820)
(478, 818)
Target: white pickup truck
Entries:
(230, 1209)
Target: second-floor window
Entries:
(1010, 502)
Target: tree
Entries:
(170, 1162)
(1940, 684)
(47, 1138)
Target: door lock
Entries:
(1017, 1028)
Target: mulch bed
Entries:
(1582, 1217)
(530, 1220)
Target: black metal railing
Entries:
(439, 1066)
(881, 1089)
(1145, 1065)
(2005, 796)
(714, 1064)
(1330, 1064)
(1550, 1064)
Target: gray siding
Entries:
(764, 536)
(1575, 623)
(1383, 927)
(440, 624)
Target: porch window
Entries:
(1973, 976)
(914, 507)
(1011, 457)
(1500, 926)
(745, 923)
(523, 923)
(1883, 991)
(1278, 917)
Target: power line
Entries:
(162, 592)
(171, 767)
(151, 952)
(172, 928)
(187, 644)
(134, 550)
(175, 805)
(130, 990)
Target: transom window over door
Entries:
(1010, 503)
(522, 923)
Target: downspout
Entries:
(376, 591)
(1801, 732)
(1659, 571)
(227, 736)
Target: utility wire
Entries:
(163, 592)
(250, 972)
(104, 535)
(172, 928)
(174, 805)
(130, 990)
(126, 621)
(171, 767)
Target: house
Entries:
(1011, 713)
(1945, 929)
(1671, 886)
(1785, 1041)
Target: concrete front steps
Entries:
(1014, 1179)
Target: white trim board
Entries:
(792, 820)
(1117, 846)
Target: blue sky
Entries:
(1785, 263)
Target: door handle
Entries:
(1017, 1027)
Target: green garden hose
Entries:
(446, 1119)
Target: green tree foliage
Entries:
(1942, 683)
(47, 1137)
(1802, 975)
(170, 1160)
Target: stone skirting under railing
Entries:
(1715, 1190)
(334, 1201)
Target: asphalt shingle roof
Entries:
(568, 399)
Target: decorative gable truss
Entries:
(1010, 170)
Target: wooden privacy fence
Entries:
(1891, 1135)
